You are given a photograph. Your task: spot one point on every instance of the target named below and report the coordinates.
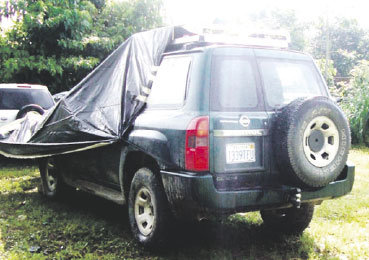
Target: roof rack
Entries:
(219, 35)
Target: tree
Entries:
(284, 19)
(57, 42)
(347, 43)
(356, 101)
(328, 70)
(287, 19)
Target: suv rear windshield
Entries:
(286, 80)
(234, 83)
(15, 99)
(235, 87)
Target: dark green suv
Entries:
(227, 128)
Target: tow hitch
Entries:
(294, 197)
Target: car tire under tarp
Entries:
(29, 108)
(52, 184)
(311, 142)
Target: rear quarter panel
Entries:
(7, 116)
(161, 131)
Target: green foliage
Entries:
(347, 43)
(356, 100)
(57, 42)
(328, 70)
(287, 20)
(120, 19)
(345, 60)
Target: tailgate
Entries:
(238, 121)
(236, 148)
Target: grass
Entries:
(83, 226)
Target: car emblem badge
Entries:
(244, 121)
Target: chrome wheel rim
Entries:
(51, 178)
(321, 141)
(144, 211)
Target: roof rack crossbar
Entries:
(211, 36)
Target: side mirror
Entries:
(337, 99)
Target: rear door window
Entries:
(234, 85)
(169, 87)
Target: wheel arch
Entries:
(130, 162)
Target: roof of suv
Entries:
(21, 85)
(259, 49)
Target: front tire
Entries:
(148, 210)
(290, 221)
(51, 181)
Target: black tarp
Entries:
(99, 110)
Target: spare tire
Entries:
(311, 138)
(29, 108)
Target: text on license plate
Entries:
(240, 153)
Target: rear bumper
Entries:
(195, 195)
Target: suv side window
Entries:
(169, 87)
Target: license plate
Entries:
(240, 153)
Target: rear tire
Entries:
(149, 214)
(51, 182)
(291, 221)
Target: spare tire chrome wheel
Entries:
(321, 141)
(312, 137)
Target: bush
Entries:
(356, 102)
(328, 72)
(58, 42)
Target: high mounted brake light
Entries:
(197, 145)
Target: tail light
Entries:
(197, 144)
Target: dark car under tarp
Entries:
(101, 108)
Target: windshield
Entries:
(15, 99)
(286, 80)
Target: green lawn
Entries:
(84, 226)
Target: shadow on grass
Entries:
(82, 224)
(8, 162)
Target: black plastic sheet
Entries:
(100, 109)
